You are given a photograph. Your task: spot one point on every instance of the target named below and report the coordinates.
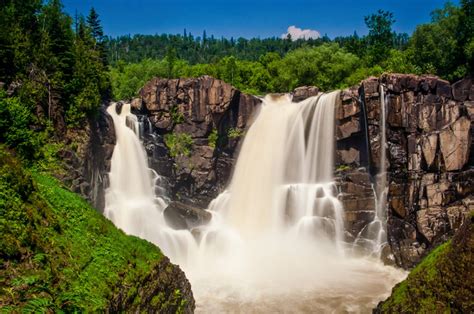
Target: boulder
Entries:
(182, 216)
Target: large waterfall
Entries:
(276, 238)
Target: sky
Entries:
(247, 18)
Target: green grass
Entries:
(56, 252)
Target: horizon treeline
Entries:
(443, 47)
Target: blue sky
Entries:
(247, 18)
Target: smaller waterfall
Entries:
(373, 237)
(131, 201)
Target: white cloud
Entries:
(297, 33)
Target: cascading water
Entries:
(275, 241)
(131, 201)
(373, 236)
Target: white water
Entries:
(275, 242)
(373, 236)
(131, 201)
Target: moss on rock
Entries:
(442, 283)
(59, 254)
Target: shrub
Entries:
(212, 138)
(179, 144)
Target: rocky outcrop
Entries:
(192, 128)
(86, 155)
(442, 282)
(429, 157)
(182, 216)
(164, 290)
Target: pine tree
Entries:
(93, 22)
(97, 32)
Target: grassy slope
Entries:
(442, 283)
(59, 254)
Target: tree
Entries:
(434, 46)
(170, 59)
(380, 38)
(93, 22)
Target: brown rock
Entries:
(303, 92)
(394, 110)
(448, 113)
(348, 127)
(455, 142)
(462, 89)
(136, 103)
(429, 144)
(431, 222)
(348, 156)
(427, 117)
(443, 89)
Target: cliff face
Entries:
(192, 129)
(213, 113)
(429, 155)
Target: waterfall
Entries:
(276, 239)
(130, 200)
(382, 187)
(288, 153)
(373, 237)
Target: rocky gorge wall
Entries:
(429, 155)
(191, 129)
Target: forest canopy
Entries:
(443, 47)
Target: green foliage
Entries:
(179, 144)
(212, 138)
(326, 66)
(57, 254)
(59, 70)
(234, 133)
(196, 50)
(343, 168)
(381, 36)
(444, 47)
(176, 116)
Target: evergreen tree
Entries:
(97, 32)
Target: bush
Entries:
(179, 144)
(212, 138)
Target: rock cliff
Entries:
(429, 155)
(213, 114)
(192, 128)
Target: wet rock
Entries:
(182, 216)
(136, 104)
(303, 92)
